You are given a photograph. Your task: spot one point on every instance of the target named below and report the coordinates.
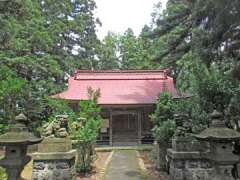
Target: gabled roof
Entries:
(119, 87)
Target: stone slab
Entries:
(186, 155)
(54, 156)
(188, 144)
(55, 145)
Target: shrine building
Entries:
(127, 99)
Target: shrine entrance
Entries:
(125, 128)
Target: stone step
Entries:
(127, 137)
(127, 143)
(124, 135)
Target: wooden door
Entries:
(124, 123)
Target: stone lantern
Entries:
(221, 140)
(16, 141)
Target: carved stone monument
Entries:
(16, 142)
(55, 158)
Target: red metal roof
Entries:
(119, 87)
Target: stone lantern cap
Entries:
(218, 132)
(19, 134)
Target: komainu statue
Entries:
(58, 128)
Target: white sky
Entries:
(118, 15)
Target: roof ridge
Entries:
(121, 71)
(164, 72)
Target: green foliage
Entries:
(108, 52)
(11, 92)
(3, 174)
(194, 112)
(57, 107)
(126, 51)
(85, 130)
(164, 125)
(199, 41)
(165, 131)
(42, 43)
(89, 119)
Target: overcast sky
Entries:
(118, 15)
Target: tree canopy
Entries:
(42, 42)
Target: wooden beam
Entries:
(110, 129)
(139, 127)
(126, 112)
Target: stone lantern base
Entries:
(55, 160)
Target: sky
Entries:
(118, 15)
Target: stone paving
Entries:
(124, 166)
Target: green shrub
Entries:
(164, 125)
(85, 130)
(3, 174)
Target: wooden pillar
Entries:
(110, 129)
(139, 127)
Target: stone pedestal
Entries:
(188, 162)
(223, 172)
(54, 160)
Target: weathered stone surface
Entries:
(179, 164)
(205, 164)
(55, 160)
(186, 163)
(62, 165)
(39, 166)
(16, 141)
(192, 171)
(55, 145)
(188, 144)
(215, 163)
(62, 169)
(161, 150)
(57, 128)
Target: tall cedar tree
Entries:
(200, 41)
(41, 43)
